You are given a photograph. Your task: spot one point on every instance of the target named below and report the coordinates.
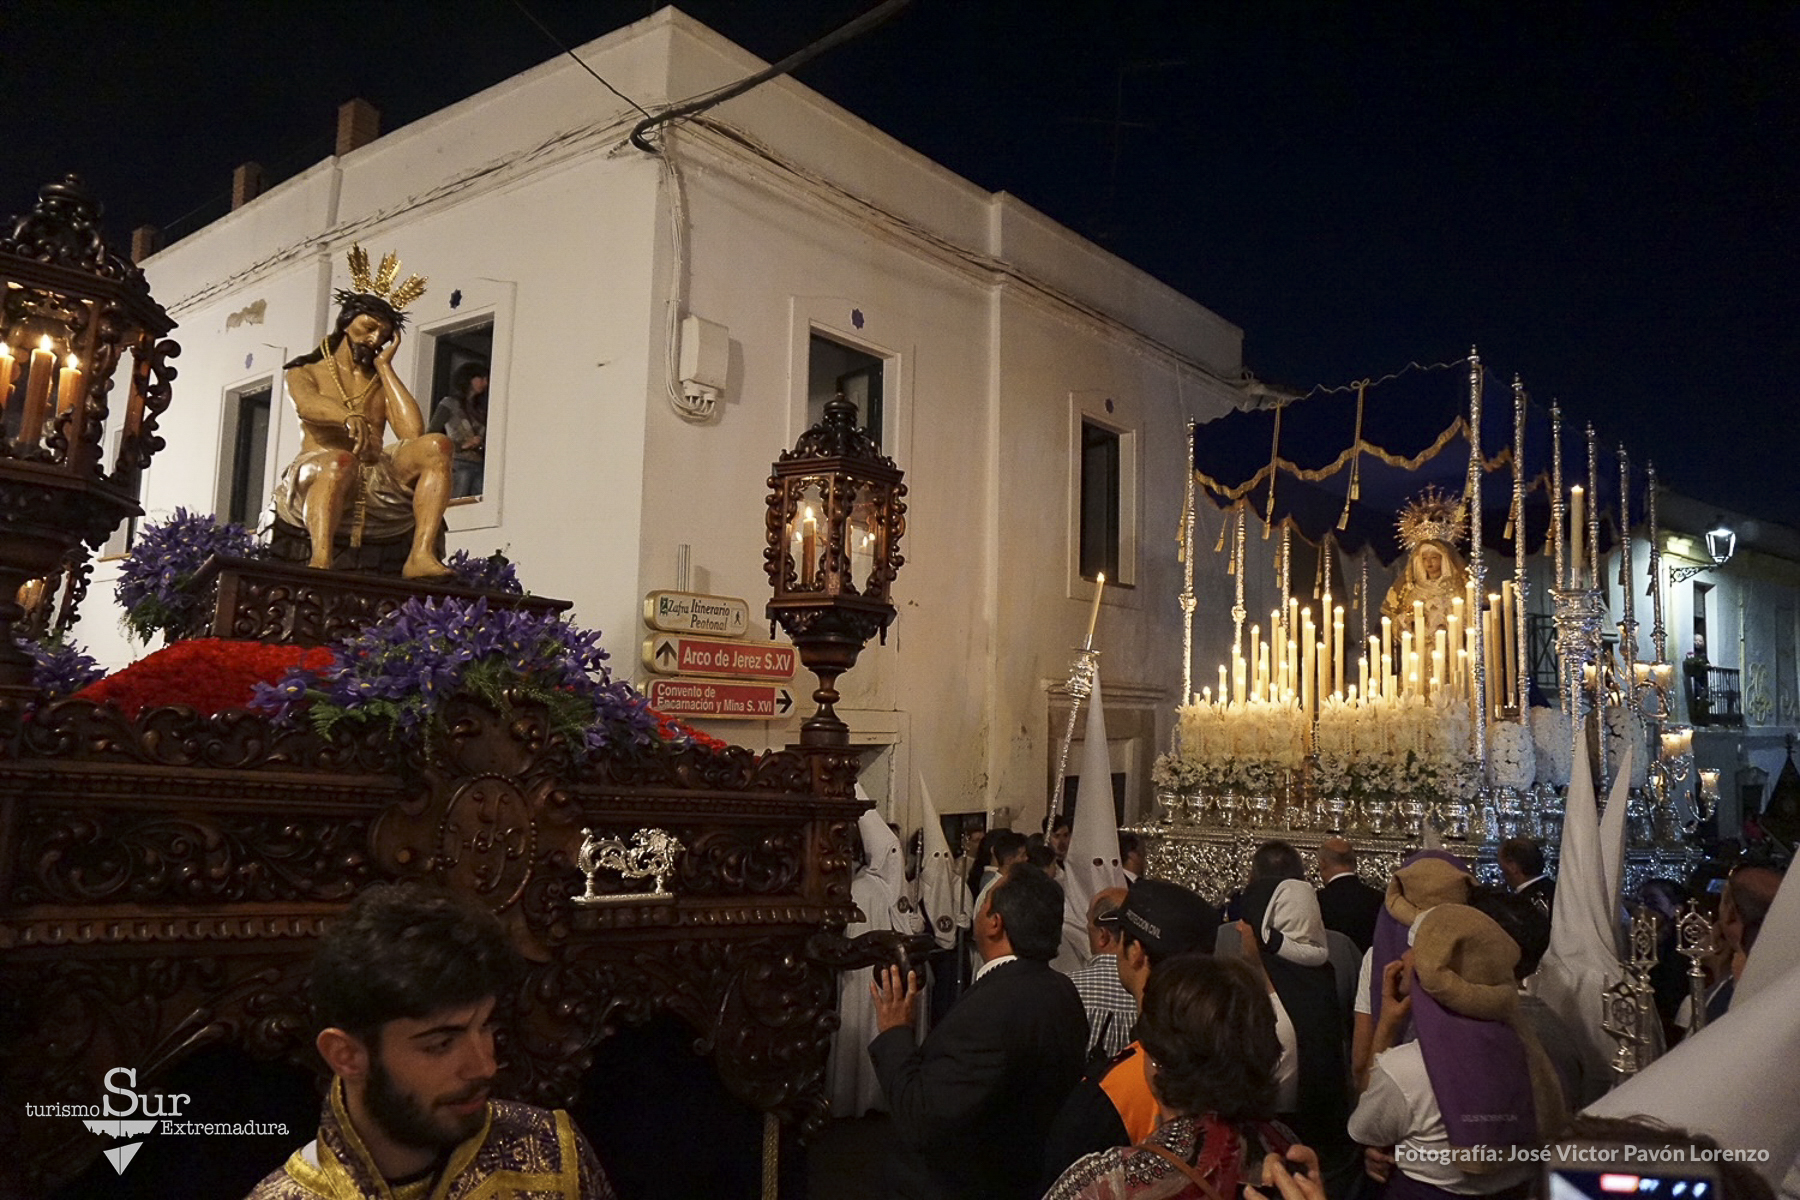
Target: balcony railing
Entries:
(1714, 694)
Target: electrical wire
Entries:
(699, 104)
(558, 43)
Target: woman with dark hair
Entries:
(1208, 1035)
(462, 416)
(1284, 938)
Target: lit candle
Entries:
(1462, 672)
(1454, 626)
(68, 387)
(1371, 662)
(1490, 685)
(6, 374)
(1387, 675)
(1276, 645)
(1290, 686)
(1337, 651)
(37, 393)
(809, 541)
(1307, 675)
(1206, 693)
(1420, 641)
(1387, 635)
(1510, 659)
(1262, 670)
(1094, 612)
(1325, 677)
(1440, 653)
(1256, 660)
(1223, 694)
(1362, 675)
(1577, 522)
(1406, 658)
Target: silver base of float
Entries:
(1205, 842)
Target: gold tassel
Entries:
(1354, 492)
(1274, 470)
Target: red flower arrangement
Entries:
(208, 675)
(674, 731)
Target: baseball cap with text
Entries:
(1168, 918)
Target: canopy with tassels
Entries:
(1341, 462)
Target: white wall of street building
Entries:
(783, 215)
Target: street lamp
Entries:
(836, 515)
(70, 305)
(1721, 543)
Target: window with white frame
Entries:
(459, 403)
(1104, 500)
(834, 367)
(244, 458)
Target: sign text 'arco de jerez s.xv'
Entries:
(677, 654)
(696, 612)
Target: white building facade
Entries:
(992, 351)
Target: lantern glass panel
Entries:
(807, 535)
(1720, 543)
(866, 544)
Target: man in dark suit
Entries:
(1348, 905)
(973, 1105)
(1522, 863)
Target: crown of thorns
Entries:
(380, 285)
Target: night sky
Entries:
(1603, 201)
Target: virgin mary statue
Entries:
(1434, 573)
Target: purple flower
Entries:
(166, 555)
(491, 574)
(404, 667)
(59, 670)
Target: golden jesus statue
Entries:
(347, 394)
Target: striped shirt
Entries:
(1111, 1012)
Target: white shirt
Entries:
(1287, 1070)
(1364, 976)
(1399, 1109)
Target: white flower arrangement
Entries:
(1550, 738)
(1512, 754)
(1405, 748)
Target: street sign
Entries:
(726, 701)
(696, 612)
(676, 654)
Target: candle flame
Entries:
(1100, 578)
(72, 362)
(44, 343)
